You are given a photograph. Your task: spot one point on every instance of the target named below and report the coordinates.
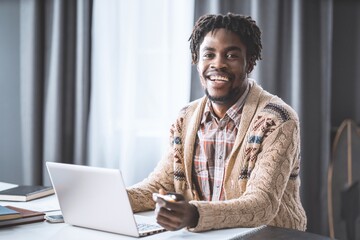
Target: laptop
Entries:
(96, 198)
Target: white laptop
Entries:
(96, 198)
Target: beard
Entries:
(229, 97)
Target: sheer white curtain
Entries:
(141, 70)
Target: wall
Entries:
(346, 62)
(10, 128)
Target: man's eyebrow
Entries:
(231, 48)
(207, 49)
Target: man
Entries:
(234, 155)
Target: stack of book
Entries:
(10, 216)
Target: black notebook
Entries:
(25, 193)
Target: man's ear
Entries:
(250, 65)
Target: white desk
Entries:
(63, 231)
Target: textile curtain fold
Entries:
(55, 83)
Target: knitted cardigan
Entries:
(261, 180)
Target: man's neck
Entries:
(220, 109)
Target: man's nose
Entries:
(218, 62)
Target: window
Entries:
(141, 69)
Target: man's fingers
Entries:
(168, 214)
(174, 206)
(174, 215)
(168, 219)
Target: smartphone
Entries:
(54, 218)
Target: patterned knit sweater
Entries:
(261, 181)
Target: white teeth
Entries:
(219, 78)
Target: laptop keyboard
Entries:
(146, 227)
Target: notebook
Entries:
(96, 198)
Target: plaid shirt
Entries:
(214, 142)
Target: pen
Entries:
(166, 197)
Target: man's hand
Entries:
(176, 215)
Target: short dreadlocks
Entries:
(244, 26)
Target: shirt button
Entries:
(177, 140)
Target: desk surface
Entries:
(60, 231)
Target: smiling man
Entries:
(234, 155)
(222, 68)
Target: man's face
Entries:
(222, 66)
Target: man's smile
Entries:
(218, 78)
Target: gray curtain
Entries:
(301, 64)
(55, 83)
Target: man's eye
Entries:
(208, 55)
(231, 56)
